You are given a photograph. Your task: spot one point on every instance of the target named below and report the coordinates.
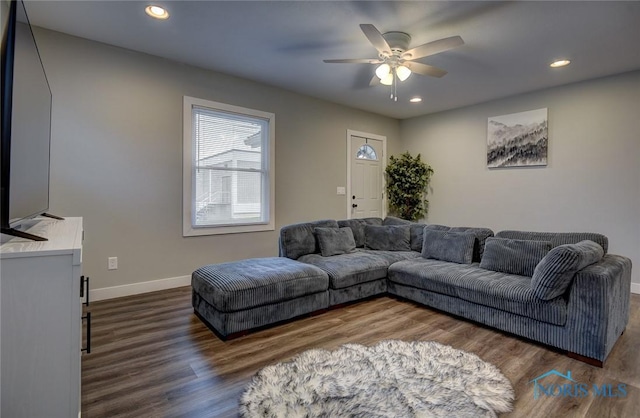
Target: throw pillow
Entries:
(456, 247)
(481, 235)
(553, 275)
(297, 240)
(335, 241)
(357, 227)
(387, 237)
(513, 256)
(416, 236)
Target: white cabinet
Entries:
(40, 318)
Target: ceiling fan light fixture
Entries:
(383, 71)
(393, 55)
(403, 72)
(415, 99)
(387, 80)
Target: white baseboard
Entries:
(635, 288)
(137, 288)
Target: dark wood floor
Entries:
(151, 357)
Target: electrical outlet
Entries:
(113, 263)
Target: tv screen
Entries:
(27, 143)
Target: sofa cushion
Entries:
(506, 292)
(392, 220)
(238, 285)
(392, 256)
(387, 237)
(511, 293)
(416, 236)
(415, 229)
(558, 238)
(299, 239)
(481, 235)
(372, 221)
(437, 227)
(555, 271)
(349, 269)
(456, 247)
(335, 241)
(513, 256)
(357, 226)
(429, 274)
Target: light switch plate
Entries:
(341, 190)
(113, 263)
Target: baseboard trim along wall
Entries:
(162, 284)
(137, 288)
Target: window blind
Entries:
(230, 168)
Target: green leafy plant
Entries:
(407, 182)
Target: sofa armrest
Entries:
(598, 307)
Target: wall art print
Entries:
(518, 139)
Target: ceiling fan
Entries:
(395, 60)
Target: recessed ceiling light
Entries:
(157, 12)
(559, 63)
(415, 99)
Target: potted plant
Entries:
(407, 182)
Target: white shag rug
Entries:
(390, 379)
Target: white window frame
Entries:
(188, 192)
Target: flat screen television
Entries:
(26, 124)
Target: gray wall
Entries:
(117, 157)
(591, 183)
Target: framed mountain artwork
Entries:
(518, 140)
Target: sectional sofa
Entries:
(560, 289)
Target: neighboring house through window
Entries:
(228, 175)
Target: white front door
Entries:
(366, 198)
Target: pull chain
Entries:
(394, 87)
(393, 80)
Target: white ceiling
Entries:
(508, 45)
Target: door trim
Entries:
(350, 133)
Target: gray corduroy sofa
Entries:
(560, 289)
(378, 245)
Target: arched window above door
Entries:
(366, 152)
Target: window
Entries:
(228, 174)
(366, 152)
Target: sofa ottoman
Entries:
(242, 295)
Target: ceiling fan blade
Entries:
(355, 61)
(375, 37)
(374, 81)
(424, 69)
(432, 48)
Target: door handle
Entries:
(87, 349)
(354, 205)
(84, 281)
